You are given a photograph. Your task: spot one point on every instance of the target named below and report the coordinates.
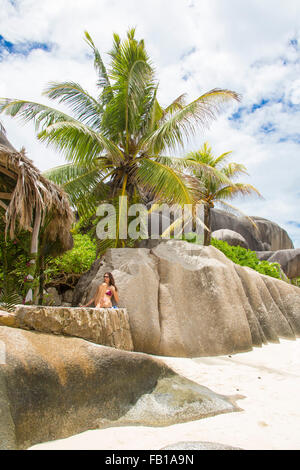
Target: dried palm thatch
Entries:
(25, 195)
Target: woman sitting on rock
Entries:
(105, 292)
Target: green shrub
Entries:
(77, 260)
(245, 257)
(14, 262)
(296, 281)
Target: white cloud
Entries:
(196, 46)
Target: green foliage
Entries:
(245, 257)
(296, 281)
(9, 298)
(65, 268)
(75, 261)
(14, 258)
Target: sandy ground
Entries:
(269, 380)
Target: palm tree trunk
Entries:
(30, 296)
(42, 279)
(207, 222)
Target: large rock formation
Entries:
(268, 236)
(106, 326)
(52, 387)
(189, 300)
(288, 259)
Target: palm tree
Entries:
(117, 142)
(213, 187)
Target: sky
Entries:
(249, 46)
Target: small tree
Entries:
(217, 186)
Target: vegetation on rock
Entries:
(248, 258)
(241, 256)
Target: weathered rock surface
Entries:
(53, 297)
(7, 318)
(52, 387)
(230, 237)
(67, 296)
(289, 260)
(268, 235)
(189, 300)
(106, 326)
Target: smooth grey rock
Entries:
(53, 387)
(267, 236)
(68, 296)
(53, 297)
(7, 426)
(289, 260)
(261, 235)
(230, 237)
(85, 280)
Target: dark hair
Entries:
(111, 280)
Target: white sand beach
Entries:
(269, 380)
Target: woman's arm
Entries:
(95, 298)
(89, 303)
(116, 295)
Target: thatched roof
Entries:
(23, 190)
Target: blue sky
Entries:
(250, 46)
(20, 48)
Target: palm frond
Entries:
(234, 169)
(206, 173)
(103, 81)
(86, 109)
(222, 158)
(165, 182)
(116, 45)
(176, 105)
(42, 115)
(84, 186)
(183, 123)
(238, 189)
(134, 86)
(9, 298)
(78, 142)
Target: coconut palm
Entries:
(117, 142)
(212, 187)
